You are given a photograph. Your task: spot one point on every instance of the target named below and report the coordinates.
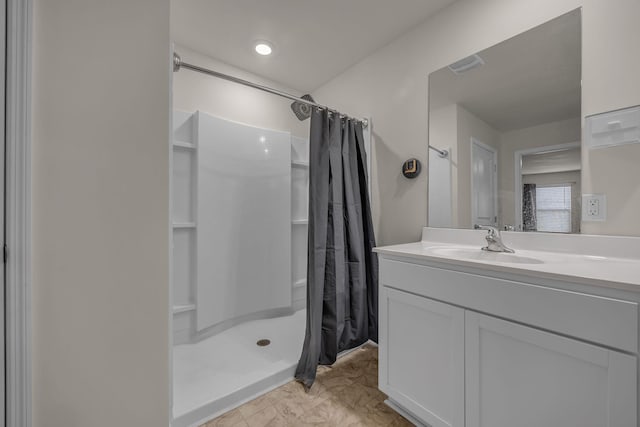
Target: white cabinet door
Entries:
(520, 376)
(421, 360)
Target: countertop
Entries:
(596, 270)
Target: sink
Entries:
(480, 255)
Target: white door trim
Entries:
(18, 213)
(3, 58)
(518, 173)
(474, 141)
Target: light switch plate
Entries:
(594, 207)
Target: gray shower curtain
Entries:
(529, 216)
(342, 270)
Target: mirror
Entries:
(504, 134)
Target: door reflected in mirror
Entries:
(510, 118)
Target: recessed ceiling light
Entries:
(263, 48)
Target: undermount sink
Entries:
(480, 255)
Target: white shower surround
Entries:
(235, 278)
(232, 224)
(243, 220)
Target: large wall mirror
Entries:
(504, 133)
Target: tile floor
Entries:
(345, 394)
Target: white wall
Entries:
(554, 133)
(443, 127)
(443, 134)
(101, 105)
(614, 172)
(391, 87)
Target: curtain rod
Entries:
(178, 64)
(442, 153)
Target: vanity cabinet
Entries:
(423, 342)
(521, 376)
(456, 352)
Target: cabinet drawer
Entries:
(606, 321)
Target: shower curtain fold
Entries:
(342, 270)
(529, 216)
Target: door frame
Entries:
(487, 147)
(517, 160)
(3, 59)
(18, 213)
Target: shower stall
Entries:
(239, 229)
(239, 201)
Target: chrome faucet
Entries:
(494, 239)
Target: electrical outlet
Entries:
(594, 207)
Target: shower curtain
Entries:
(529, 217)
(342, 270)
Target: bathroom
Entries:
(100, 283)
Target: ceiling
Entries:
(314, 40)
(528, 80)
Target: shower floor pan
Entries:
(221, 372)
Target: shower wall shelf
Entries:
(299, 218)
(185, 145)
(184, 225)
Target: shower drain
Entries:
(263, 343)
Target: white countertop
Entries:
(590, 267)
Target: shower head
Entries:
(301, 110)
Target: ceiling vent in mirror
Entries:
(466, 64)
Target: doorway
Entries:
(484, 184)
(561, 167)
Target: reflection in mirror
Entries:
(510, 118)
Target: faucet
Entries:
(494, 239)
